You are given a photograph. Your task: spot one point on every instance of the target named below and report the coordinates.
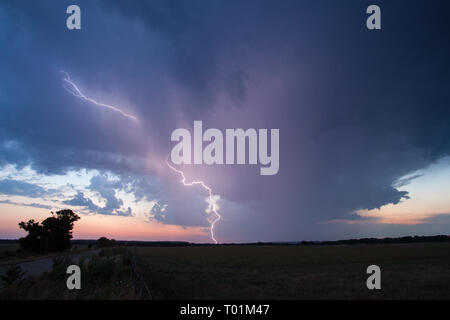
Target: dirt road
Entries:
(40, 266)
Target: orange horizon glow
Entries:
(96, 226)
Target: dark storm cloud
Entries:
(22, 204)
(106, 189)
(356, 109)
(235, 85)
(20, 188)
(112, 205)
(80, 200)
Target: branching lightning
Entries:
(213, 207)
(72, 88)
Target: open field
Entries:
(8, 250)
(408, 271)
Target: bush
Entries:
(12, 274)
(60, 265)
(100, 270)
(102, 277)
(126, 258)
(105, 242)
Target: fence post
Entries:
(138, 279)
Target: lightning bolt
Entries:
(73, 89)
(213, 207)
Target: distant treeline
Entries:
(119, 243)
(409, 239)
(137, 243)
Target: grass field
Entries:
(408, 271)
(8, 249)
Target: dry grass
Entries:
(11, 253)
(104, 276)
(409, 271)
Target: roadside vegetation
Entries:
(13, 254)
(106, 275)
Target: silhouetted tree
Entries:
(36, 240)
(53, 234)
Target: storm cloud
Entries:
(357, 110)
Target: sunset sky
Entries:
(364, 117)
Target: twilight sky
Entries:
(364, 117)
